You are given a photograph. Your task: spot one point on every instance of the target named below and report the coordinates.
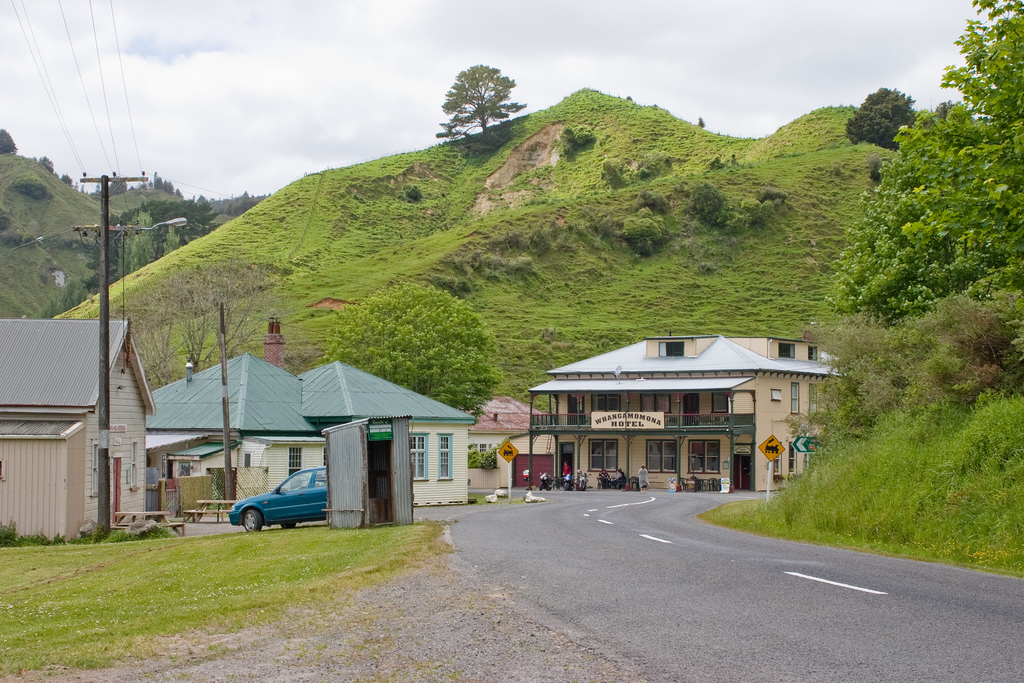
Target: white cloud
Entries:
(228, 96)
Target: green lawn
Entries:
(91, 606)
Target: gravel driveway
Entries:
(437, 623)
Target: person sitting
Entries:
(620, 480)
(603, 480)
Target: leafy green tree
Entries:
(422, 339)
(880, 117)
(478, 98)
(948, 216)
(7, 145)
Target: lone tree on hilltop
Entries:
(478, 97)
(7, 145)
(880, 117)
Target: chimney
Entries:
(188, 372)
(273, 344)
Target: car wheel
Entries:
(288, 525)
(252, 520)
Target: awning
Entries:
(633, 386)
(204, 450)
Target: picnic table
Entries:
(124, 518)
(208, 507)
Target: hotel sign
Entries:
(626, 420)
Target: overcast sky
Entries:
(227, 97)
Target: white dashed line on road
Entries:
(605, 521)
(836, 583)
(622, 505)
(655, 538)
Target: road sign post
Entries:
(772, 448)
(509, 452)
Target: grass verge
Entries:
(92, 606)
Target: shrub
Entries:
(772, 194)
(488, 460)
(612, 173)
(716, 164)
(653, 165)
(655, 201)
(572, 140)
(412, 193)
(708, 204)
(31, 188)
(644, 231)
(874, 163)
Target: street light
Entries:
(137, 229)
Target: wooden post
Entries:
(229, 475)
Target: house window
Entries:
(812, 397)
(794, 397)
(575, 404)
(691, 404)
(2, 476)
(661, 456)
(604, 455)
(418, 451)
(776, 394)
(294, 459)
(651, 403)
(95, 468)
(133, 468)
(720, 402)
(787, 350)
(672, 348)
(792, 458)
(247, 458)
(606, 402)
(812, 353)
(704, 456)
(444, 456)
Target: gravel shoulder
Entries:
(438, 622)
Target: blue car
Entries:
(301, 497)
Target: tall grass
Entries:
(947, 486)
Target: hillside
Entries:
(531, 233)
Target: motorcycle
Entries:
(545, 482)
(581, 481)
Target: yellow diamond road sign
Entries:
(508, 451)
(771, 447)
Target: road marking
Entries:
(622, 505)
(836, 583)
(585, 514)
(655, 538)
(592, 510)
(605, 521)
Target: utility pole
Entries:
(229, 474)
(103, 401)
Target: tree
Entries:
(47, 164)
(880, 118)
(7, 145)
(423, 339)
(949, 215)
(478, 97)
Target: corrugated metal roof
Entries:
(52, 362)
(680, 385)
(206, 449)
(503, 414)
(261, 398)
(337, 390)
(36, 427)
(721, 356)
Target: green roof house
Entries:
(277, 420)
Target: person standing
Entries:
(642, 479)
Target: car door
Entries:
(316, 497)
(288, 500)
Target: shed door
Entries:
(378, 468)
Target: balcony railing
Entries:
(672, 421)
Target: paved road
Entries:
(637, 576)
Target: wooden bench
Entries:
(124, 519)
(219, 508)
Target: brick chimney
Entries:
(273, 344)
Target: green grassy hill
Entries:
(531, 232)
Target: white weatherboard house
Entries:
(49, 445)
(276, 421)
(704, 409)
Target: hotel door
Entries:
(115, 490)
(741, 472)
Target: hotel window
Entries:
(720, 402)
(294, 459)
(661, 456)
(672, 348)
(792, 459)
(655, 403)
(787, 350)
(691, 404)
(794, 397)
(607, 402)
(704, 456)
(604, 455)
(444, 456)
(575, 402)
(776, 394)
(812, 397)
(418, 450)
(812, 353)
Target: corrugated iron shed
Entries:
(53, 362)
(35, 427)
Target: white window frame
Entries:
(444, 456)
(418, 444)
(794, 397)
(776, 394)
(291, 470)
(790, 349)
(95, 468)
(133, 467)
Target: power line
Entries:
(36, 240)
(131, 122)
(45, 78)
(103, 89)
(81, 80)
